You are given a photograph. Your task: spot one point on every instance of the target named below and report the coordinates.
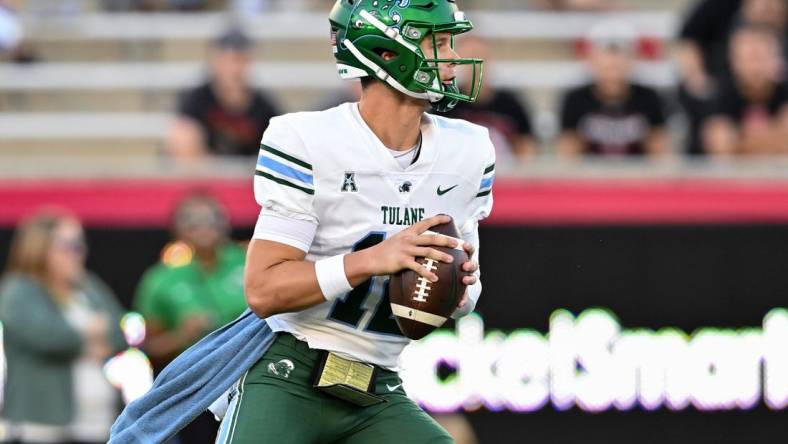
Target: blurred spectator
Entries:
(749, 115)
(225, 116)
(703, 51)
(498, 109)
(612, 116)
(772, 14)
(197, 288)
(60, 325)
(702, 42)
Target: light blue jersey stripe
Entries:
(487, 183)
(284, 170)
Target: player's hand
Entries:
(400, 251)
(471, 266)
(463, 301)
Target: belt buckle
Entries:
(349, 380)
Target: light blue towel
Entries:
(193, 381)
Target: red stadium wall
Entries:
(669, 253)
(149, 202)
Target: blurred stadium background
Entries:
(88, 93)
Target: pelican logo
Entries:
(405, 187)
(281, 368)
(349, 184)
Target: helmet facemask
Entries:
(428, 75)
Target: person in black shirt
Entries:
(499, 110)
(224, 116)
(702, 41)
(702, 52)
(704, 36)
(750, 113)
(611, 116)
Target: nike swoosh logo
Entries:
(391, 389)
(442, 192)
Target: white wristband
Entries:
(331, 277)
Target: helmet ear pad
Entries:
(402, 66)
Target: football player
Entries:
(347, 195)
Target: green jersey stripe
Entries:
(488, 169)
(483, 193)
(285, 156)
(284, 182)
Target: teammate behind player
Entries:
(345, 195)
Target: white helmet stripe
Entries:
(383, 75)
(392, 33)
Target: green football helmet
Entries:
(361, 30)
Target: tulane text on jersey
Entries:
(401, 216)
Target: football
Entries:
(420, 306)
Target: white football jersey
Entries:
(329, 168)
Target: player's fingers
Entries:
(431, 253)
(421, 271)
(470, 266)
(437, 240)
(407, 238)
(469, 248)
(464, 300)
(426, 224)
(469, 280)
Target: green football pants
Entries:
(276, 404)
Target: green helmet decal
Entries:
(362, 30)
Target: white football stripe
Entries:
(417, 315)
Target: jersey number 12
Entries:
(349, 310)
